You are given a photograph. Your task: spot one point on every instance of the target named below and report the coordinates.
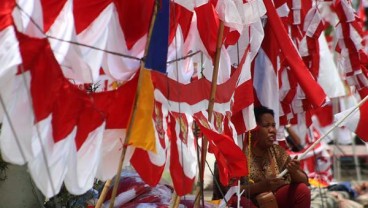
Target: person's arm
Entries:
(297, 175)
(266, 185)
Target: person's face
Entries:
(266, 133)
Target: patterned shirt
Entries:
(261, 167)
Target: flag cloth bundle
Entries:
(156, 60)
(159, 40)
(230, 158)
(357, 122)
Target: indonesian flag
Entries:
(357, 121)
(230, 158)
(249, 44)
(312, 90)
(65, 144)
(9, 54)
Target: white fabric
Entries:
(21, 115)
(9, 59)
(283, 10)
(312, 20)
(348, 10)
(229, 14)
(121, 68)
(160, 157)
(352, 121)
(265, 82)
(252, 11)
(112, 144)
(186, 151)
(328, 76)
(95, 35)
(69, 55)
(181, 71)
(9, 51)
(83, 163)
(191, 4)
(23, 23)
(49, 166)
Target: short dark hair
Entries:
(260, 110)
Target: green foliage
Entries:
(3, 165)
(3, 169)
(67, 200)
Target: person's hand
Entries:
(293, 166)
(275, 183)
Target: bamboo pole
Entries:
(127, 138)
(103, 193)
(175, 201)
(211, 104)
(336, 124)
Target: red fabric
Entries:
(141, 12)
(184, 20)
(179, 15)
(362, 130)
(184, 92)
(243, 96)
(149, 172)
(69, 106)
(314, 58)
(231, 38)
(313, 91)
(51, 10)
(182, 184)
(129, 183)
(47, 78)
(208, 26)
(230, 159)
(6, 9)
(244, 202)
(290, 95)
(88, 120)
(293, 195)
(117, 104)
(65, 114)
(86, 11)
(324, 115)
(239, 123)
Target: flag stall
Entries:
(268, 52)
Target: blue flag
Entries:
(157, 49)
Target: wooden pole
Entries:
(103, 193)
(132, 118)
(211, 104)
(328, 132)
(175, 201)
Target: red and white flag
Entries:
(9, 54)
(357, 121)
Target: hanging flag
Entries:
(142, 130)
(158, 46)
(312, 90)
(9, 53)
(156, 60)
(357, 122)
(230, 158)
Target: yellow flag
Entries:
(142, 133)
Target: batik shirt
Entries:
(261, 167)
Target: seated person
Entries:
(266, 160)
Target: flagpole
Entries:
(103, 193)
(325, 135)
(211, 103)
(132, 118)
